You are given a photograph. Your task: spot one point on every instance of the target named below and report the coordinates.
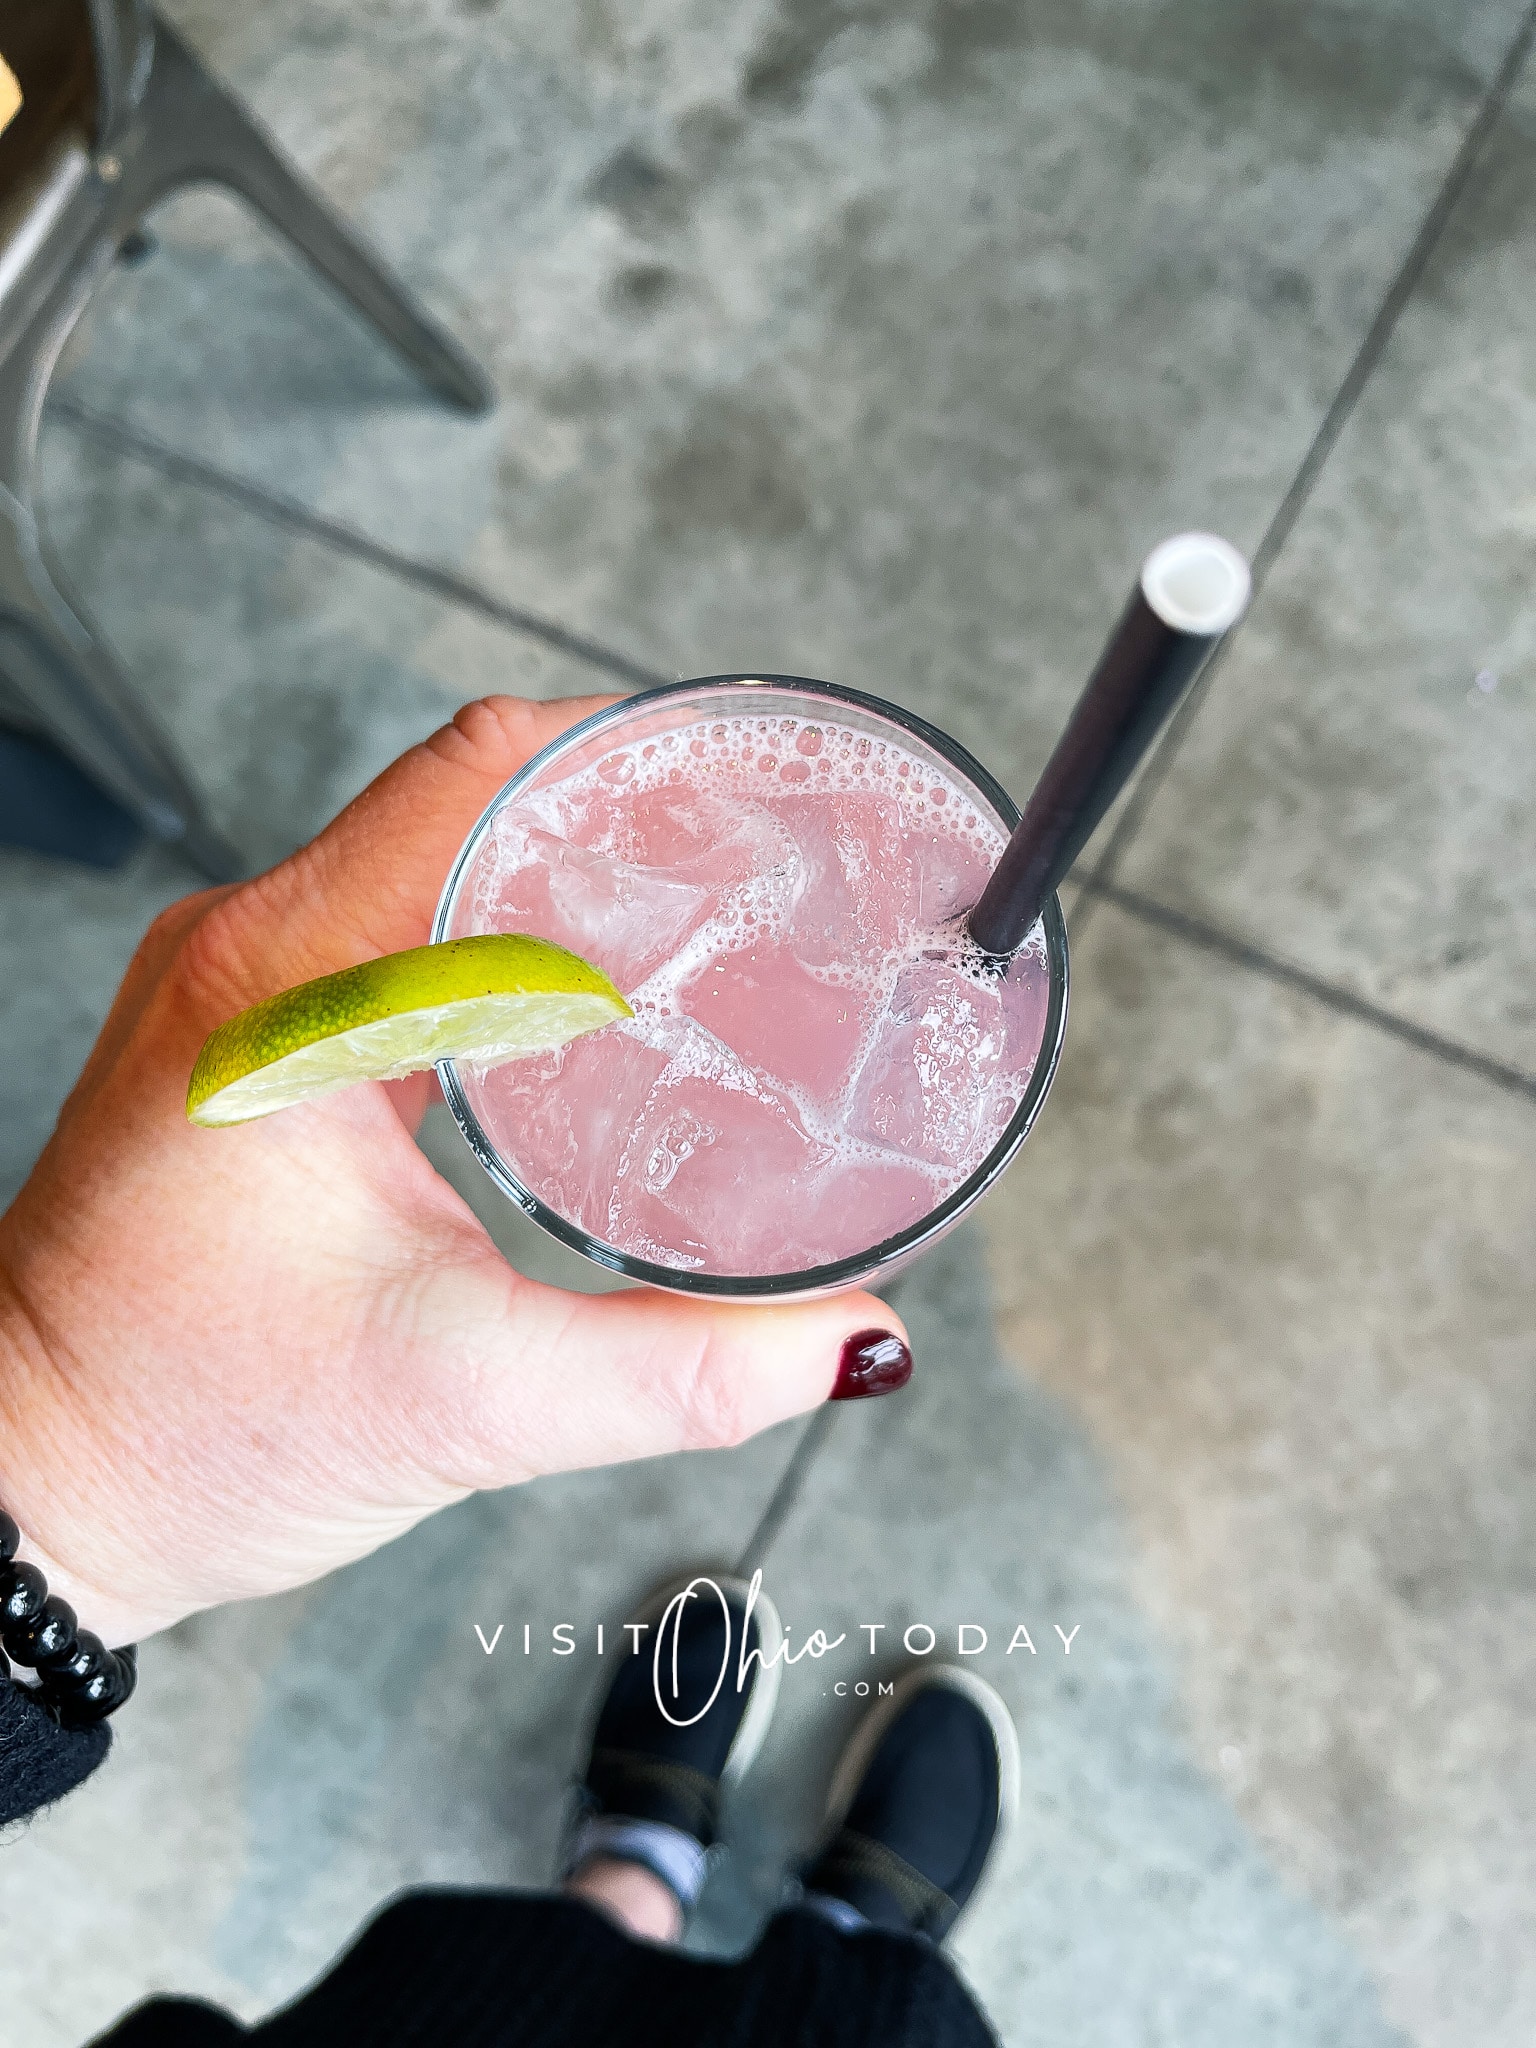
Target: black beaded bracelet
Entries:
(79, 1679)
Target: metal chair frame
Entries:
(162, 122)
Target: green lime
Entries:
(482, 1000)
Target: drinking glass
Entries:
(650, 716)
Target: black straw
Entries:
(1193, 589)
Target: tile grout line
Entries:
(812, 1441)
(293, 517)
(1363, 367)
(288, 514)
(1237, 952)
(785, 1496)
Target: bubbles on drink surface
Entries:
(818, 1056)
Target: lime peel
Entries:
(482, 1000)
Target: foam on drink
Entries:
(818, 1055)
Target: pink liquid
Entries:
(817, 1058)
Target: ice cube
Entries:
(718, 1167)
(949, 875)
(702, 835)
(864, 1202)
(1025, 992)
(780, 1019)
(924, 1082)
(562, 1119)
(858, 894)
(626, 919)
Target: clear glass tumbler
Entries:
(651, 715)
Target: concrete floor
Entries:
(877, 339)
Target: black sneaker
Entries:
(676, 1732)
(920, 1798)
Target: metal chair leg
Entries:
(56, 671)
(61, 670)
(190, 129)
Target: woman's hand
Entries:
(231, 1360)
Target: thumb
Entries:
(369, 883)
(544, 1381)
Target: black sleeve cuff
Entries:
(39, 1760)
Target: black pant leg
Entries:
(446, 1969)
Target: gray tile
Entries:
(870, 342)
(1279, 1268)
(289, 674)
(1130, 1904)
(1349, 794)
(66, 934)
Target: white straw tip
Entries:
(1196, 583)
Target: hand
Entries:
(232, 1360)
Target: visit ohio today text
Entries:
(869, 1638)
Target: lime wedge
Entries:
(483, 1000)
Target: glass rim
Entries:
(857, 1267)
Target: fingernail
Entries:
(873, 1362)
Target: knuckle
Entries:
(206, 956)
(165, 930)
(169, 929)
(212, 963)
(486, 731)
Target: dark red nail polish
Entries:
(873, 1362)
